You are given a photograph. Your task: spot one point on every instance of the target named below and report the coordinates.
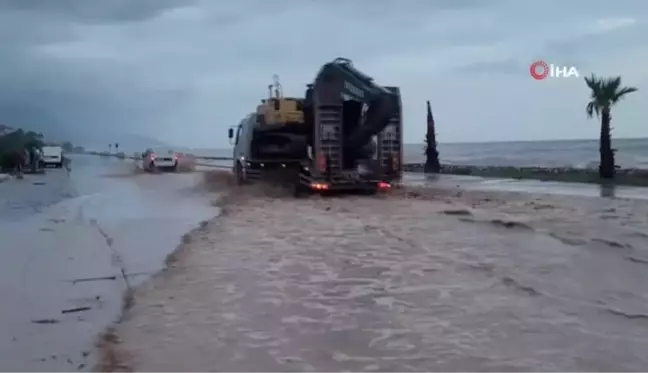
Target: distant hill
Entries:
(30, 117)
(128, 143)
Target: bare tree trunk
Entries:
(607, 166)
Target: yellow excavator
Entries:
(344, 134)
(277, 110)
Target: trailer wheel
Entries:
(370, 192)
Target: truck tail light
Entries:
(319, 186)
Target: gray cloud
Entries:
(508, 66)
(185, 70)
(92, 11)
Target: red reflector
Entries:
(322, 162)
(383, 185)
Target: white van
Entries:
(52, 156)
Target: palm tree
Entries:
(605, 93)
(432, 164)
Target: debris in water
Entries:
(45, 321)
(510, 224)
(78, 309)
(458, 212)
(94, 279)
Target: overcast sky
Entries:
(183, 71)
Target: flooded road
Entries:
(72, 244)
(479, 281)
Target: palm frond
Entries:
(604, 93)
(594, 82)
(610, 86)
(622, 92)
(592, 108)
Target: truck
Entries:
(345, 134)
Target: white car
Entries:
(159, 159)
(52, 156)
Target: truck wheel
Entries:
(299, 189)
(238, 172)
(298, 192)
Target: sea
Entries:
(631, 153)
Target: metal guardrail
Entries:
(214, 165)
(212, 158)
(137, 156)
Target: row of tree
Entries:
(604, 94)
(15, 143)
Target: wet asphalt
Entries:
(72, 244)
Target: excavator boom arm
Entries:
(382, 103)
(356, 85)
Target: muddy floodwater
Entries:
(71, 246)
(423, 280)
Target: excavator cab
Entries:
(279, 111)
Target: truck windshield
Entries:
(238, 133)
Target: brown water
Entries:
(480, 281)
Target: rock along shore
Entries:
(626, 176)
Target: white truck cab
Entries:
(241, 136)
